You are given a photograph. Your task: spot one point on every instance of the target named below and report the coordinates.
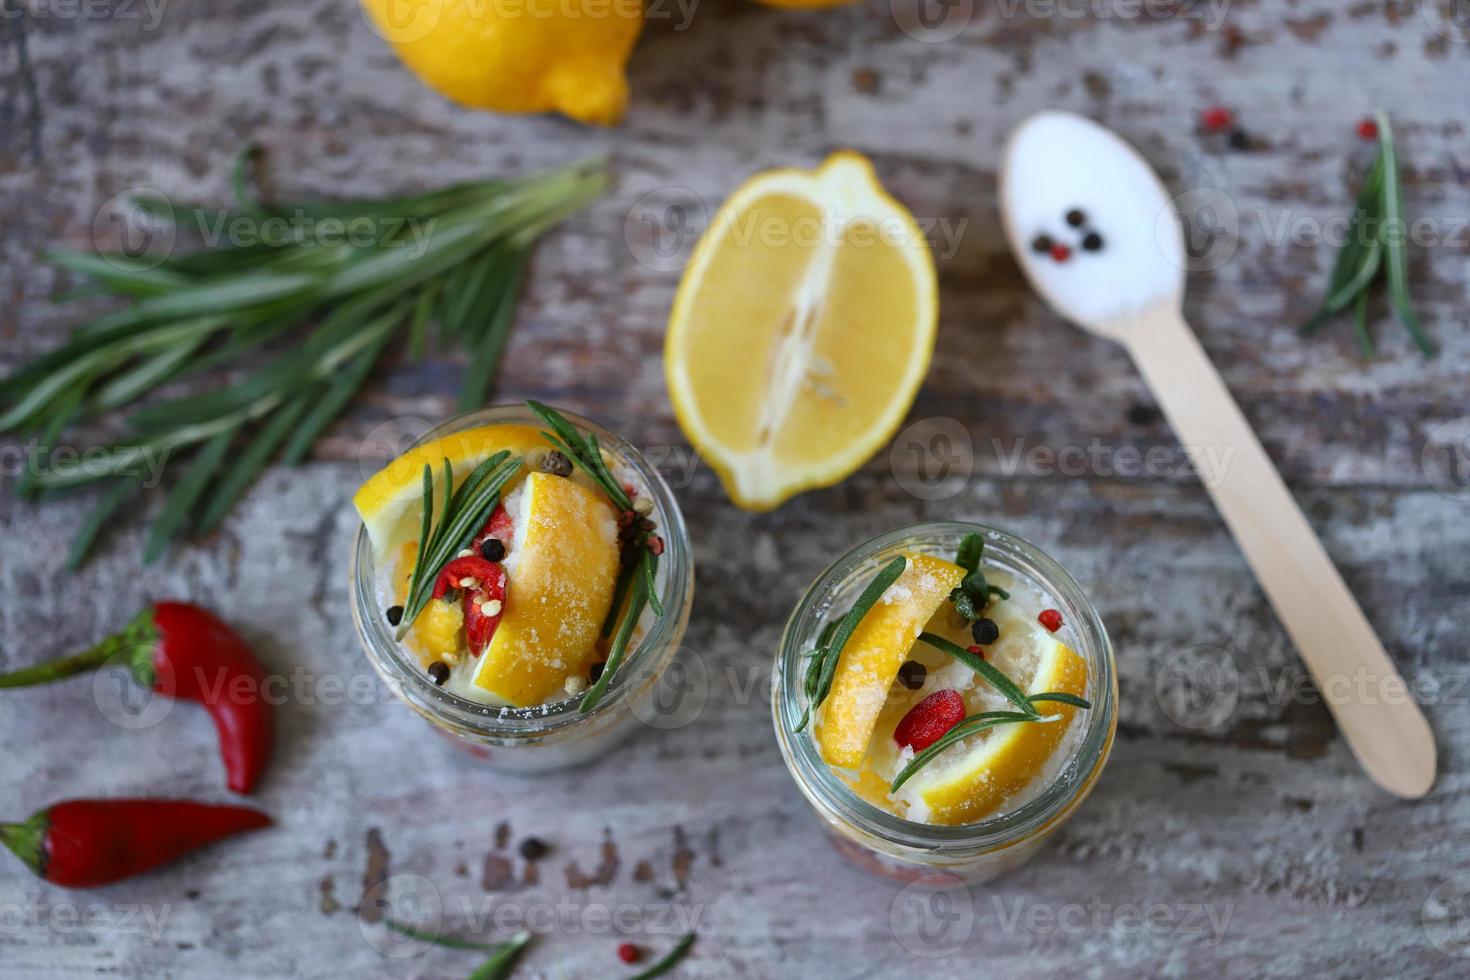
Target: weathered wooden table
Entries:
(1232, 833)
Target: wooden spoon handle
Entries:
(1374, 708)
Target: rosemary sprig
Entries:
(502, 959)
(1375, 244)
(581, 450)
(973, 593)
(823, 668)
(972, 725)
(463, 513)
(680, 950)
(456, 255)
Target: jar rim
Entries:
(401, 671)
(1066, 789)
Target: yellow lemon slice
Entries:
(561, 570)
(873, 654)
(801, 329)
(391, 502)
(965, 785)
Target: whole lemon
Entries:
(564, 56)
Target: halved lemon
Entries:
(801, 329)
(873, 654)
(561, 570)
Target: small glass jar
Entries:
(557, 734)
(904, 849)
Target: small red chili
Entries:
(84, 843)
(184, 651)
(499, 526)
(978, 651)
(628, 953)
(927, 721)
(1060, 252)
(1368, 129)
(1051, 619)
(486, 573)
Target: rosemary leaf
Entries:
(620, 594)
(989, 672)
(435, 938)
(972, 725)
(1393, 233)
(1360, 324)
(680, 950)
(180, 502)
(637, 598)
(98, 517)
(503, 961)
(650, 586)
(483, 367)
(1060, 697)
(248, 464)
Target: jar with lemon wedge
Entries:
(521, 578)
(945, 698)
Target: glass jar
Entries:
(557, 734)
(888, 844)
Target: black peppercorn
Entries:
(912, 674)
(534, 849)
(985, 631)
(1041, 243)
(395, 615)
(1076, 218)
(1092, 242)
(557, 464)
(492, 549)
(439, 672)
(595, 673)
(1240, 140)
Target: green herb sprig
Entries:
(822, 668)
(503, 956)
(455, 257)
(671, 960)
(1375, 244)
(984, 720)
(636, 586)
(973, 593)
(464, 512)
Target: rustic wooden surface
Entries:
(1242, 829)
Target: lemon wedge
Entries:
(801, 329)
(873, 654)
(391, 502)
(967, 784)
(561, 570)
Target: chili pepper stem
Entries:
(135, 641)
(25, 841)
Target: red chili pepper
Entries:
(499, 526)
(486, 573)
(84, 843)
(184, 651)
(480, 626)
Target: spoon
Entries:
(1131, 290)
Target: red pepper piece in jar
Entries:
(483, 609)
(84, 843)
(487, 575)
(927, 721)
(499, 526)
(184, 651)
